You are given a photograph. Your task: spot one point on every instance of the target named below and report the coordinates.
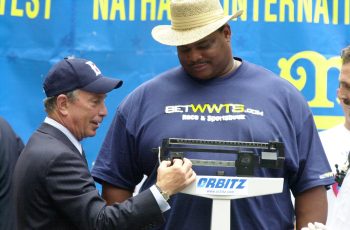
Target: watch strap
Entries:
(163, 193)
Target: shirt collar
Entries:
(66, 132)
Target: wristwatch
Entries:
(164, 194)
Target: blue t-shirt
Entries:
(251, 104)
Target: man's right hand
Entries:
(172, 178)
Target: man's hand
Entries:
(174, 178)
(315, 226)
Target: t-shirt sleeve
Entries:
(115, 163)
(314, 169)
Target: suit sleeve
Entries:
(73, 192)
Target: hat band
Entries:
(184, 23)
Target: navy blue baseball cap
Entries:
(76, 73)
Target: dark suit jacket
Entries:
(54, 190)
(10, 147)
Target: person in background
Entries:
(11, 146)
(336, 140)
(52, 183)
(339, 218)
(216, 96)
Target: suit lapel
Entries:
(57, 134)
(84, 156)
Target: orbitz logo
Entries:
(215, 185)
(221, 183)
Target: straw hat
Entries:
(191, 20)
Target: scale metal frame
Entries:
(271, 156)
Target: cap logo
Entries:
(93, 67)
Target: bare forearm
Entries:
(311, 206)
(113, 194)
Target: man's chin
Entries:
(92, 133)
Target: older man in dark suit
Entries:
(11, 146)
(53, 186)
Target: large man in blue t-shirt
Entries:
(214, 95)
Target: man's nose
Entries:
(195, 56)
(103, 110)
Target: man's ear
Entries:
(338, 95)
(340, 98)
(227, 32)
(62, 104)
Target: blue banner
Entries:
(299, 40)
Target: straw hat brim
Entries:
(166, 35)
